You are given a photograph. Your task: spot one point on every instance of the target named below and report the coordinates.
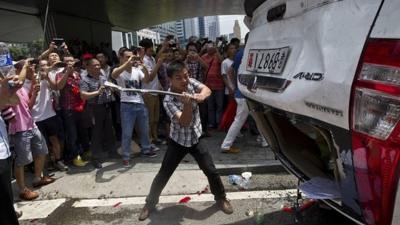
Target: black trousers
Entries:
(76, 132)
(7, 212)
(174, 155)
(103, 138)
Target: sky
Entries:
(226, 24)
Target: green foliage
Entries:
(30, 49)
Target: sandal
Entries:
(28, 195)
(43, 181)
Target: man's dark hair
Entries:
(146, 43)
(193, 44)
(229, 45)
(122, 51)
(234, 40)
(175, 66)
(103, 53)
(90, 61)
(67, 55)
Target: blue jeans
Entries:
(130, 114)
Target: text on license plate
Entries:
(271, 61)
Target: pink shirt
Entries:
(23, 119)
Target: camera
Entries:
(58, 41)
(60, 64)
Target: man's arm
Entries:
(148, 77)
(185, 116)
(51, 48)
(203, 93)
(60, 84)
(7, 93)
(85, 95)
(117, 71)
(35, 88)
(203, 64)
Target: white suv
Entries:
(322, 79)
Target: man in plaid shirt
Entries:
(184, 138)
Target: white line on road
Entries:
(176, 198)
(38, 209)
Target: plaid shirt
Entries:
(69, 95)
(195, 70)
(185, 136)
(90, 84)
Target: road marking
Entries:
(175, 198)
(38, 209)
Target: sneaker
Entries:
(231, 150)
(150, 154)
(125, 163)
(225, 206)
(45, 180)
(78, 162)
(259, 138)
(154, 148)
(144, 213)
(61, 166)
(28, 195)
(264, 143)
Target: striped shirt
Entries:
(90, 84)
(189, 135)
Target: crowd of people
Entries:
(61, 103)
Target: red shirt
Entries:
(213, 79)
(70, 98)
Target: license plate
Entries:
(270, 61)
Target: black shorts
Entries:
(50, 127)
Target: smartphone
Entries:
(60, 64)
(136, 58)
(34, 61)
(58, 41)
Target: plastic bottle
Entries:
(6, 64)
(241, 182)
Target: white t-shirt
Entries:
(43, 107)
(150, 63)
(131, 80)
(53, 73)
(224, 70)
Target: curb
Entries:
(271, 166)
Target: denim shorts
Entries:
(28, 144)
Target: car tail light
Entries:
(375, 126)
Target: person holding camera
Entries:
(197, 68)
(214, 80)
(8, 88)
(130, 74)
(49, 124)
(99, 100)
(72, 106)
(29, 143)
(152, 101)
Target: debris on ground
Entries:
(205, 190)
(185, 200)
